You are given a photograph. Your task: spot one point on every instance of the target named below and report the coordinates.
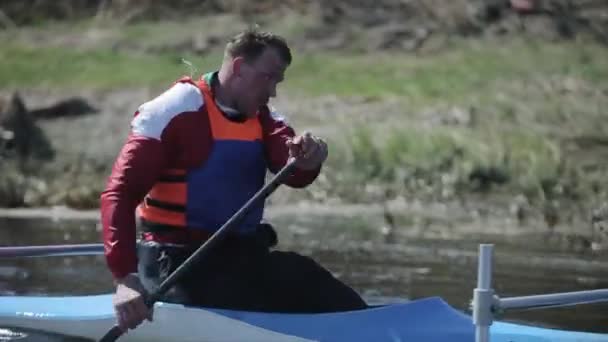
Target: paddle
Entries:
(115, 333)
(51, 250)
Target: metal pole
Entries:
(483, 295)
(52, 250)
(554, 300)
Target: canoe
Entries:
(429, 319)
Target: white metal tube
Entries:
(484, 271)
(482, 334)
(52, 250)
(483, 295)
(554, 300)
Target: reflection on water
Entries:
(408, 266)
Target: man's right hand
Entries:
(129, 303)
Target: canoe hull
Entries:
(92, 316)
(428, 319)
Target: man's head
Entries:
(254, 63)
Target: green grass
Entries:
(455, 75)
(529, 98)
(104, 69)
(451, 76)
(410, 160)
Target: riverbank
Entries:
(512, 122)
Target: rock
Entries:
(524, 6)
(494, 10)
(408, 39)
(22, 138)
(520, 208)
(71, 107)
(551, 214)
(6, 140)
(202, 44)
(453, 116)
(483, 177)
(599, 227)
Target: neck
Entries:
(223, 97)
(222, 90)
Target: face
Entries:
(258, 80)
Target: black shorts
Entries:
(244, 274)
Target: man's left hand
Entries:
(310, 151)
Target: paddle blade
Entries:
(112, 335)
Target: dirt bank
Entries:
(340, 24)
(563, 193)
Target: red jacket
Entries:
(171, 132)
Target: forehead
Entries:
(271, 60)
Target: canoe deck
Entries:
(429, 319)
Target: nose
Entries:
(273, 90)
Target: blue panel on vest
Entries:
(233, 173)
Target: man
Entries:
(194, 156)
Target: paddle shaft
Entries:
(115, 333)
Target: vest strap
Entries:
(164, 205)
(172, 178)
(154, 227)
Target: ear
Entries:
(237, 63)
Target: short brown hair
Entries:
(250, 44)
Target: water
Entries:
(383, 266)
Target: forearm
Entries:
(118, 221)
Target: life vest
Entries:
(204, 198)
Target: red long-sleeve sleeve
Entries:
(184, 143)
(167, 132)
(135, 171)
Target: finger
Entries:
(151, 314)
(318, 143)
(294, 150)
(305, 136)
(308, 141)
(295, 146)
(126, 315)
(290, 145)
(121, 319)
(324, 149)
(141, 310)
(312, 151)
(131, 315)
(297, 140)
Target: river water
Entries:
(382, 265)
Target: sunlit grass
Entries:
(459, 73)
(528, 99)
(103, 69)
(410, 160)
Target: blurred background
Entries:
(450, 123)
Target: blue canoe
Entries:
(430, 320)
